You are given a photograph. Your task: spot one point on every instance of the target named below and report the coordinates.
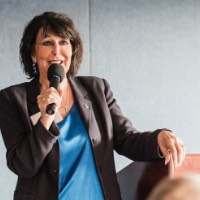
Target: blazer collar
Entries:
(77, 87)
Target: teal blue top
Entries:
(78, 175)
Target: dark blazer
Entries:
(33, 152)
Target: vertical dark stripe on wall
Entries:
(90, 39)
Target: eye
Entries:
(64, 42)
(47, 43)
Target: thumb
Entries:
(166, 154)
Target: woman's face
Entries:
(51, 49)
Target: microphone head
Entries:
(56, 70)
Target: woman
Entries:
(69, 155)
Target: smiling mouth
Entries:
(55, 62)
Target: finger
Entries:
(44, 101)
(180, 153)
(175, 150)
(48, 91)
(173, 153)
(165, 154)
(167, 157)
(183, 153)
(42, 98)
(49, 96)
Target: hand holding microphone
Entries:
(55, 76)
(49, 99)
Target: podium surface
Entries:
(139, 178)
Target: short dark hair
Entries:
(57, 23)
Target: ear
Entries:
(34, 58)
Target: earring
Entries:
(35, 72)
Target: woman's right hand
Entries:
(46, 97)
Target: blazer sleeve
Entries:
(27, 145)
(138, 146)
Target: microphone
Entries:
(55, 76)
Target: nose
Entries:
(56, 49)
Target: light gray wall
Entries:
(149, 51)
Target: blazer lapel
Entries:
(84, 105)
(33, 89)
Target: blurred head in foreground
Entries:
(186, 187)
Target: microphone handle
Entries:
(55, 81)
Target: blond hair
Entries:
(185, 187)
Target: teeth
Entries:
(55, 61)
